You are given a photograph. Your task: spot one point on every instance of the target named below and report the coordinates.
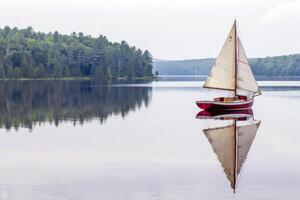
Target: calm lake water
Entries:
(80, 140)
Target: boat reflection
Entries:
(231, 142)
(239, 115)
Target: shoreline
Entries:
(75, 78)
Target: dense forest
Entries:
(277, 66)
(28, 104)
(25, 53)
(270, 66)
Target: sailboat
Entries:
(231, 144)
(231, 72)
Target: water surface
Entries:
(83, 140)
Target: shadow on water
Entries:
(28, 103)
(231, 142)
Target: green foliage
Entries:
(17, 72)
(98, 73)
(40, 72)
(25, 53)
(277, 66)
(109, 74)
(269, 66)
(2, 73)
(10, 73)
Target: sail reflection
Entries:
(27, 103)
(232, 142)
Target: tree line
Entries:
(288, 65)
(183, 67)
(25, 53)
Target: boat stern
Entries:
(204, 105)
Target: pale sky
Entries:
(169, 29)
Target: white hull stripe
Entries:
(228, 103)
(225, 116)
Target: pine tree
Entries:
(2, 73)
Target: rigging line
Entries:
(235, 57)
(243, 62)
(239, 34)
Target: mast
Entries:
(235, 60)
(235, 155)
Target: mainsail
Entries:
(231, 70)
(222, 74)
(231, 144)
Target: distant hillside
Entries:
(183, 67)
(269, 66)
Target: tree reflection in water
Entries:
(28, 103)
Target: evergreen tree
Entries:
(30, 54)
(98, 73)
(18, 73)
(10, 73)
(2, 73)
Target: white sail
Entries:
(246, 80)
(246, 135)
(222, 74)
(222, 141)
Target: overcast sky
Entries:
(170, 29)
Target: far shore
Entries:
(149, 78)
(75, 78)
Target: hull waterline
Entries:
(239, 115)
(215, 105)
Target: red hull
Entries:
(216, 105)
